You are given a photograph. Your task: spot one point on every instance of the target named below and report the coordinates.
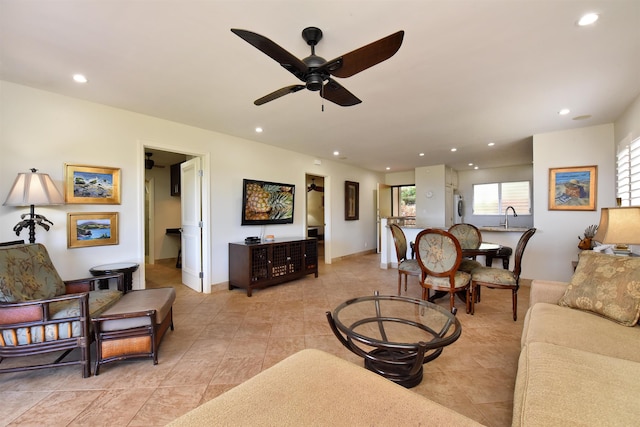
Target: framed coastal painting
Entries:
(573, 188)
(92, 229)
(351, 201)
(91, 184)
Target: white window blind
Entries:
(628, 174)
(494, 198)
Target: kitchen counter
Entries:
(502, 229)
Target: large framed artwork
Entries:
(92, 229)
(351, 201)
(91, 184)
(573, 188)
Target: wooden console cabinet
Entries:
(268, 263)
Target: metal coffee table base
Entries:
(396, 366)
(375, 337)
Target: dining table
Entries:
(484, 249)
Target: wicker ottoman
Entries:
(134, 326)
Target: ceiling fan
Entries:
(314, 187)
(315, 71)
(150, 164)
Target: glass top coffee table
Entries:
(395, 335)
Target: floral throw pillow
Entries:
(607, 285)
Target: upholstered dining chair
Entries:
(470, 238)
(406, 267)
(499, 278)
(439, 256)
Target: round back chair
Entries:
(439, 256)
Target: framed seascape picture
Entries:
(573, 188)
(92, 229)
(91, 184)
(351, 201)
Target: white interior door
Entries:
(191, 209)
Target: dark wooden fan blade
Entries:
(270, 48)
(334, 92)
(367, 56)
(278, 93)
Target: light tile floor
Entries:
(223, 338)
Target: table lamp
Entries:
(30, 189)
(619, 226)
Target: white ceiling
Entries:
(468, 72)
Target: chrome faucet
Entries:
(506, 215)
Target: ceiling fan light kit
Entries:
(315, 72)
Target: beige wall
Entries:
(555, 245)
(44, 130)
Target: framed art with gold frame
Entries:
(86, 229)
(573, 188)
(91, 184)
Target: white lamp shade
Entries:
(619, 226)
(33, 189)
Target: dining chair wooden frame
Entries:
(499, 278)
(406, 267)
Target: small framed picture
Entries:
(351, 201)
(91, 185)
(92, 229)
(573, 188)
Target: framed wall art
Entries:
(573, 188)
(92, 229)
(351, 201)
(91, 185)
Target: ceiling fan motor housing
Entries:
(315, 81)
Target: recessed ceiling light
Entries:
(491, 144)
(79, 78)
(259, 129)
(336, 153)
(388, 168)
(564, 111)
(470, 164)
(454, 149)
(421, 154)
(475, 167)
(588, 19)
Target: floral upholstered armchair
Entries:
(40, 313)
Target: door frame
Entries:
(327, 213)
(205, 158)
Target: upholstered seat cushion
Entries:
(27, 273)
(581, 330)
(411, 266)
(99, 301)
(499, 276)
(161, 300)
(461, 279)
(562, 386)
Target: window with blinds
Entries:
(628, 174)
(494, 198)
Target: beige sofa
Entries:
(314, 388)
(579, 365)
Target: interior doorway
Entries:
(163, 218)
(316, 211)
